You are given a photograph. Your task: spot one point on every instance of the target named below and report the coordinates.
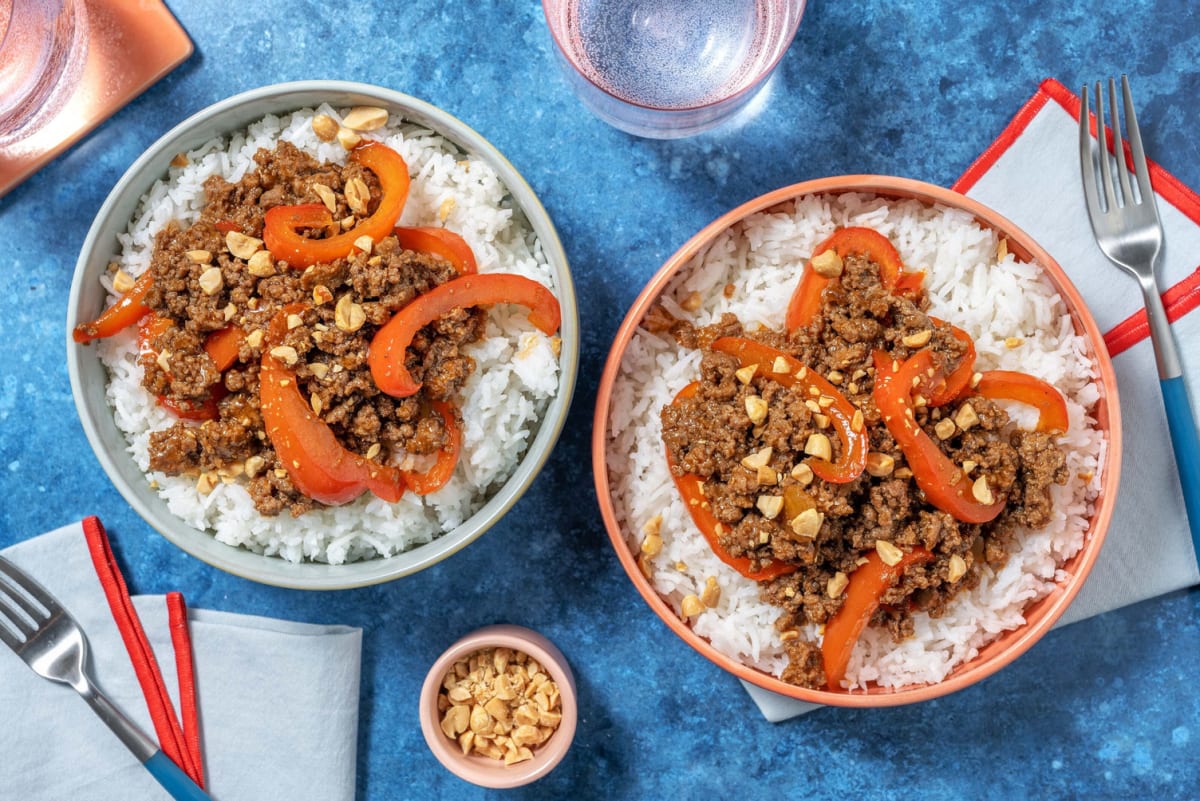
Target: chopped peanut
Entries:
(966, 417)
(365, 118)
(919, 339)
(827, 263)
(769, 505)
(818, 445)
(880, 464)
(758, 458)
(802, 473)
(211, 281)
(806, 524)
(241, 245)
(122, 282)
(890, 554)
(956, 569)
(756, 409)
(691, 605)
(325, 127)
(692, 302)
(500, 704)
(981, 490)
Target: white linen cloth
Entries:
(278, 701)
(1032, 176)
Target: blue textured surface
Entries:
(1104, 709)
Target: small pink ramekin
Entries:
(481, 770)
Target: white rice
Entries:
(516, 366)
(992, 301)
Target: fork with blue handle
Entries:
(40, 631)
(1124, 216)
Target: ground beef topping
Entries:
(733, 414)
(215, 274)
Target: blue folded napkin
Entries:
(278, 701)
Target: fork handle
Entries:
(1187, 449)
(173, 780)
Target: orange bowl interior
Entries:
(1040, 616)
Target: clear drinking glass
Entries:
(43, 46)
(670, 68)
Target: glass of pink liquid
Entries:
(670, 68)
(43, 45)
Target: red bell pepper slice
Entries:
(940, 389)
(439, 242)
(841, 412)
(128, 309)
(691, 487)
(447, 459)
(386, 355)
(944, 483)
(910, 285)
(318, 464)
(149, 328)
(867, 585)
(1009, 385)
(222, 346)
(281, 224)
(806, 299)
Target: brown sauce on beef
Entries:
(710, 433)
(331, 365)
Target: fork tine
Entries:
(1141, 171)
(13, 595)
(10, 615)
(1110, 194)
(17, 576)
(1119, 144)
(7, 638)
(1087, 156)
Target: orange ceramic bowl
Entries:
(1041, 615)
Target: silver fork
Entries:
(40, 631)
(1128, 230)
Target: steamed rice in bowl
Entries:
(1018, 321)
(503, 402)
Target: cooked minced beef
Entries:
(710, 433)
(330, 344)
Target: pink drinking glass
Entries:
(43, 45)
(670, 68)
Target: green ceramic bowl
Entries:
(89, 378)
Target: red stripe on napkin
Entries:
(1011, 133)
(1179, 299)
(158, 702)
(181, 639)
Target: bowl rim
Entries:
(84, 369)
(1040, 616)
(482, 770)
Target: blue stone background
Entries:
(1104, 709)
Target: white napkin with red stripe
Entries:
(278, 701)
(1030, 174)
